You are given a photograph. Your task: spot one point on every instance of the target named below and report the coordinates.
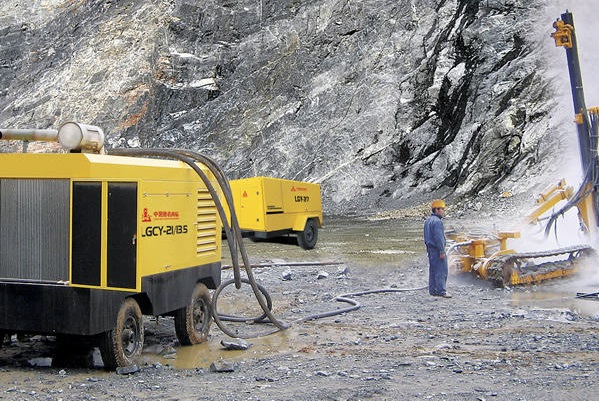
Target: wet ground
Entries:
(359, 242)
(343, 244)
(529, 343)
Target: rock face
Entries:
(383, 102)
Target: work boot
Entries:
(446, 295)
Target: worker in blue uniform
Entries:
(434, 238)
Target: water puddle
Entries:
(294, 340)
(202, 355)
(359, 242)
(556, 300)
(561, 294)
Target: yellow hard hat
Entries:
(437, 203)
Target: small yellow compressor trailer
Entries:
(272, 207)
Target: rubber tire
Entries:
(307, 238)
(121, 345)
(192, 323)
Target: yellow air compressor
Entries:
(272, 207)
(90, 242)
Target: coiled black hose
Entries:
(233, 232)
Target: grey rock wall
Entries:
(383, 102)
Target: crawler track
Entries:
(519, 268)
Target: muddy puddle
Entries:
(562, 293)
(556, 300)
(202, 355)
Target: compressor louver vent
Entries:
(34, 229)
(206, 223)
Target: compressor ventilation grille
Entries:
(34, 229)
(206, 223)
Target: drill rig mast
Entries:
(488, 256)
(586, 120)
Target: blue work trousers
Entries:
(437, 272)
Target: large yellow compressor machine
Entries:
(274, 207)
(90, 242)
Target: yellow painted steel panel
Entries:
(177, 223)
(81, 166)
(272, 204)
(178, 227)
(249, 205)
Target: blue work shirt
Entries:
(434, 233)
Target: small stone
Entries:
(168, 350)
(322, 275)
(237, 345)
(41, 362)
(222, 367)
(127, 370)
(265, 379)
(343, 270)
(153, 349)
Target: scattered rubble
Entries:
(484, 343)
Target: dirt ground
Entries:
(531, 343)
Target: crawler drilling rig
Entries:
(489, 256)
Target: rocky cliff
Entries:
(383, 102)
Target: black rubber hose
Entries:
(174, 154)
(223, 182)
(235, 240)
(225, 186)
(578, 196)
(232, 318)
(355, 304)
(190, 158)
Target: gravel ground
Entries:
(528, 343)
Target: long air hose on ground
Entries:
(234, 239)
(354, 304)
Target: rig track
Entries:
(519, 268)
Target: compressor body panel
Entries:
(80, 232)
(270, 207)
